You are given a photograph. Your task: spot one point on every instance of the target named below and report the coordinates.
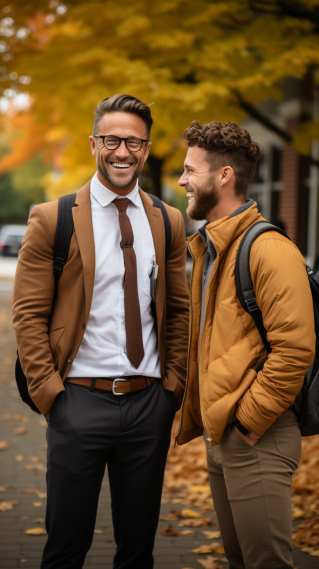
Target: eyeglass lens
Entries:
(113, 142)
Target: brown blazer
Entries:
(49, 335)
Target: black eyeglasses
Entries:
(132, 143)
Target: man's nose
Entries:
(182, 181)
(121, 151)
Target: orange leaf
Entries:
(169, 531)
(20, 431)
(35, 531)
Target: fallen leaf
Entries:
(172, 516)
(15, 417)
(200, 488)
(7, 506)
(217, 548)
(196, 523)
(202, 550)
(98, 531)
(3, 445)
(298, 513)
(169, 531)
(30, 491)
(212, 534)
(209, 563)
(20, 431)
(186, 532)
(312, 552)
(39, 521)
(20, 457)
(190, 514)
(35, 531)
(34, 467)
(37, 504)
(43, 423)
(36, 459)
(41, 494)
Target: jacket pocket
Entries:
(286, 433)
(54, 338)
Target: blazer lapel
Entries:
(156, 222)
(82, 217)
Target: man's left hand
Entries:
(249, 439)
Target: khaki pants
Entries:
(251, 489)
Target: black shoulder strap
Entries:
(244, 285)
(168, 231)
(63, 233)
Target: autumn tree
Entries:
(200, 60)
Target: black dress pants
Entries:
(129, 433)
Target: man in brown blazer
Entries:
(105, 362)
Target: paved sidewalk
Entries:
(22, 479)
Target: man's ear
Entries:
(147, 151)
(92, 141)
(226, 175)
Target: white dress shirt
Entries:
(102, 352)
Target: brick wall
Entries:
(290, 177)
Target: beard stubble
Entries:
(204, 199)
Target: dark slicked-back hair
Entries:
(123, 104)
(227, 144)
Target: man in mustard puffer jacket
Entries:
(252, 436)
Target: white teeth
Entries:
(124, 165)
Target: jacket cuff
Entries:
(171, 383)
(45, 394)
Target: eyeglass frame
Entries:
(104, 136)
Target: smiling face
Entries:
(119, 169)
(200, 184)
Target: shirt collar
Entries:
(104, 196)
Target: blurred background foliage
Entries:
(204, 60)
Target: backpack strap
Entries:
(64, 230)
(167, 224)
(244, 285)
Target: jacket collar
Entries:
(225, 230)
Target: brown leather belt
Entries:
(118, 386)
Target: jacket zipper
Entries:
(188, 351)
(209, 439)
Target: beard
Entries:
(105, 169)
(204, 199)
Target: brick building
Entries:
(286, 184)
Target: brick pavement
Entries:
(22, 466)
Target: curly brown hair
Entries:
(227, 144)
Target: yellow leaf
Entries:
(37, 504)
(7, 506)
(35, 531)
(212, 534)
(199, 488)
(186, 513)
(202, 550)
(3, 445)
(20, 431)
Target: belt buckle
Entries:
(114, 384)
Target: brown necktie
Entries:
(133, 325)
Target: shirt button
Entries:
(69, 360)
